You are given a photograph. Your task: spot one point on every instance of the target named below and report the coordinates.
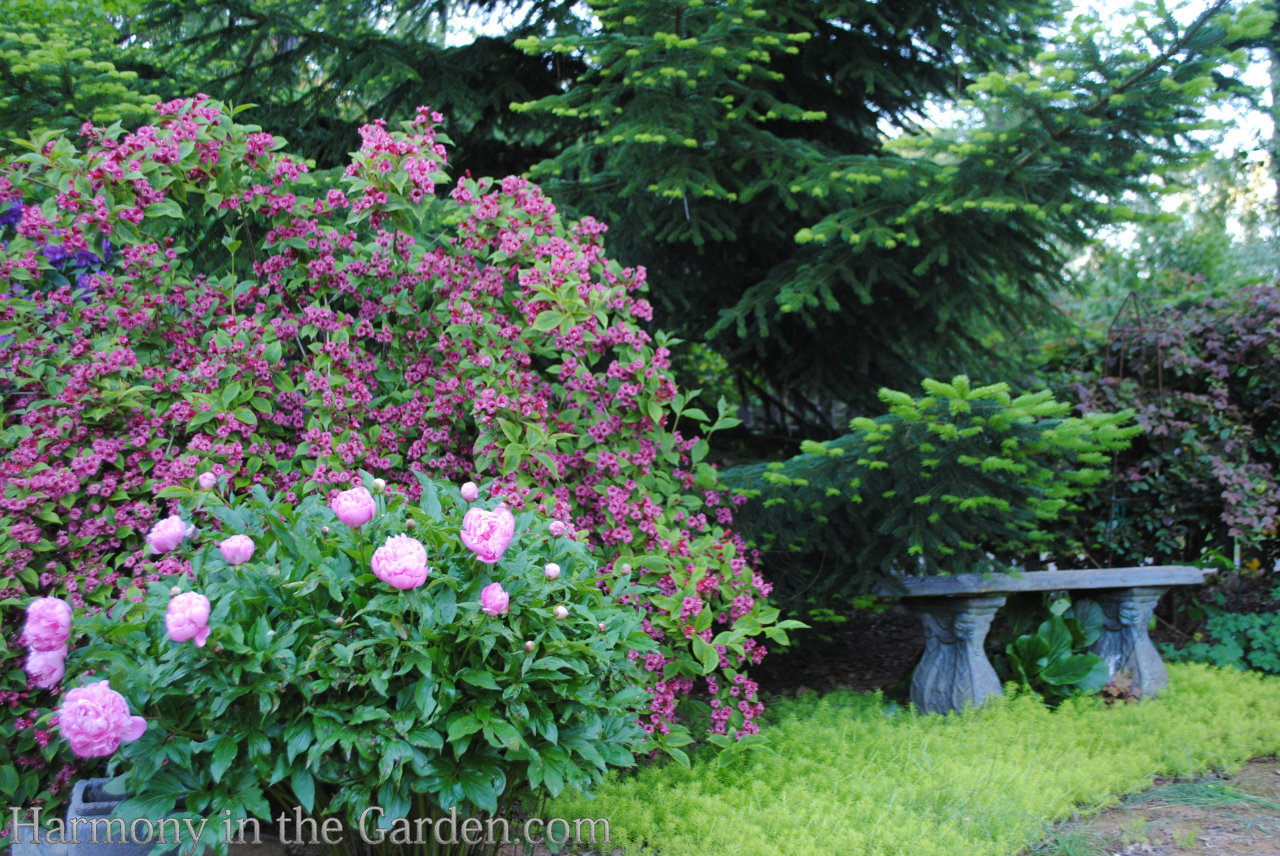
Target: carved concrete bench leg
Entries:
(1124, 643)
(954, 670)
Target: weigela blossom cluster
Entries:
(373, 325)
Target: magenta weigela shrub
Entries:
(315, 681)
(188, 300)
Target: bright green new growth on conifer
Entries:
(851, 774)
(964, 479)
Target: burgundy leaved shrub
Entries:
(188, 298)
(1203, 375)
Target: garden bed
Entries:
(854, 773)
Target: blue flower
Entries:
(11, 215)
(55, 253)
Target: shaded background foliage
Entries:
(823, 260)
(1201, 373)
(319, 71)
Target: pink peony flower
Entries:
(401, 562)
(46, 668)
(95, 720)
(207, 481)
(494, 600)
(487, 533)
(187, 618)
(354, 507)
(552, 570)
(556, 528)
(48, 624)
(237, 549)
(470, 492)
(167, 534)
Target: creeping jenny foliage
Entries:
(850, 774)
(189, 297)
(321, 687)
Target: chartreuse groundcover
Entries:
(849, 773)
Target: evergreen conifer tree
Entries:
(764, 159)
(61, 65)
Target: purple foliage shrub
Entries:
(1204, 378)
(244, 317)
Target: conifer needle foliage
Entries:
(766, 159)
(764, 155)
(965, 479)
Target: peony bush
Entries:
(189, 306)
(344, 667)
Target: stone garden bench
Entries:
(957, 613)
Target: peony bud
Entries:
(324, 530)
(556, 528)
(174, 591)
(207, 481)
(552, 571)
(601, 627)
(470, 492)
(187, 618)
(528, 646)
(410, 523)
(354, 507)
(379, 485)
(237, 549)
(562, 611)
(494, 600)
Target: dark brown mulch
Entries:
(866, 652)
